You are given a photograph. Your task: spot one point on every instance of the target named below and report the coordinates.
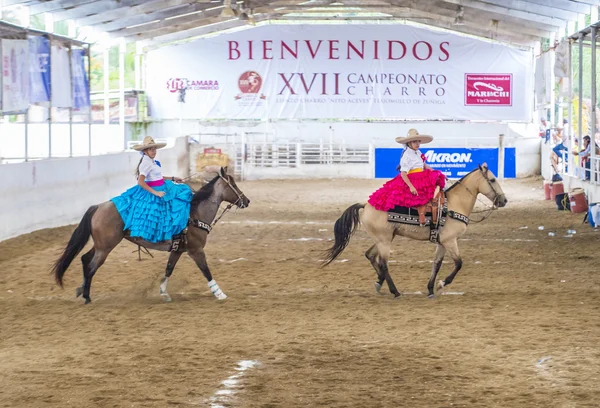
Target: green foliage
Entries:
(37, 21)
(97, 69)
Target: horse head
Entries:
(489, 187)
(229, 191)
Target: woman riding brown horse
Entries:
(104, 224)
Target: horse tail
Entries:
(78, 240)
(343, 230)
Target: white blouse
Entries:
(150, 169)
(411, 159)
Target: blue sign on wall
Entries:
(453, 162)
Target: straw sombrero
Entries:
(147, 144)
(413, 135)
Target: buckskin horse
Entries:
(461, 198)
(104, 224)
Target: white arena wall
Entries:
(378, 134)
(52, 193)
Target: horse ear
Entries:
(224, 171)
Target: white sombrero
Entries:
(413, 135)
(147, 144)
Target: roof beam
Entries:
(172, 29)
(480, 19)
(6, 3)
(564, 5)
(187, 21)
(144, 21)
(544, 10)
(489, 15)
(523, 15)
(194, 32)
(484, 30)
(590, 2)
(134, 11)
(39, 7)
(514, 38)
(95, 7)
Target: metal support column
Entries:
(569, 127)
(71, 107)
(122, 49)
(106, 85)
(580, 107)
(89, 71)
(593, 124)
(50, 103)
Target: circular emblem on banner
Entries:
(250, 82)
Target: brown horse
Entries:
(105, 226)
(461, 199)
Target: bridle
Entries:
(488, 211)
(237, 192)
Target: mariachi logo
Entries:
(488, 89)
(249, 84)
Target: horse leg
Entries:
(85, 261)
(173, 258)
(440, 251)
(384, 253)
(371, 255)
(200, 258)
(453, 250)
(95, 261)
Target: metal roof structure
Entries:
(155, 22)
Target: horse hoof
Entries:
(78, 292)
(396, 295)
(166, 298)
(377, 287)
(432, 296)
(88, 301)
(441, 284)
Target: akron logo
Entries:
(249, 84)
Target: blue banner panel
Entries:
(453, 162)
(39, 69)
(81, 82)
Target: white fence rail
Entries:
(307, 160)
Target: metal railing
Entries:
(296, 154)
(585, 169)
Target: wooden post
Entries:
(501, 156)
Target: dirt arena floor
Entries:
(519, 327)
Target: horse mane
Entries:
(461, 179)
(205, 192)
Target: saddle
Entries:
(431, 214)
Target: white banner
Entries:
(60, 77)
(341, 71)
(15, 75)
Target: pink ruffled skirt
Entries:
(397, 193)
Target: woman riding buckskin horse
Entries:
(416, 184)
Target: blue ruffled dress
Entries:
(153, 218)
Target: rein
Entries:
(489, 210)
(207, 227)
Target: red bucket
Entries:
(578, 201)
(547, 190)
(557, 188)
